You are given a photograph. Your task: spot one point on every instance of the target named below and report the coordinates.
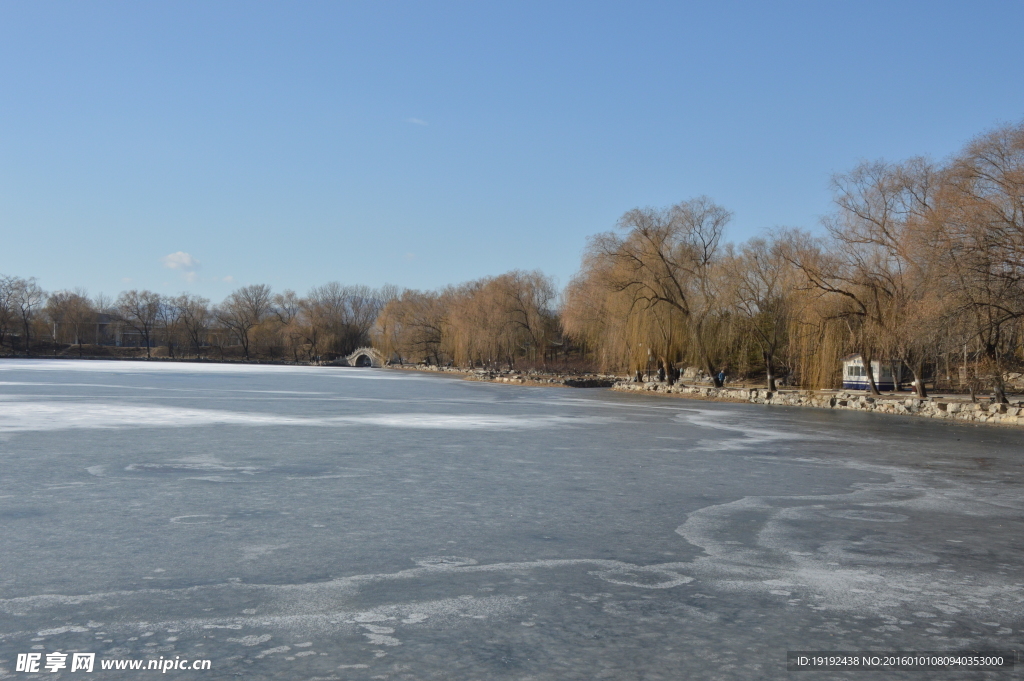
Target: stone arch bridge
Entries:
(364, 357)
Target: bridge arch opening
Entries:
(363, 361)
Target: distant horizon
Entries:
(201, 148)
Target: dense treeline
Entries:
(494, 321)
(922, 266)
(489, 322)
(251, 323)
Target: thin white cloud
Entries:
(190, 277)
(180, 260)
(229, 279)
(416, 121)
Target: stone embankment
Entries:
(949, 408)
(522, 377)
(586, 381)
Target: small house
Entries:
(855, 373)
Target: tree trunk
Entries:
(706, 360)
(999, 389)
(670, 376)
(917, 370)
(708, 367)
(770, 370)
(872, 387)
(993, 365)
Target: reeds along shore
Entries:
(920, 266)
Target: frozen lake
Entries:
(335, 523)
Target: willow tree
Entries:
(979, 217)
(665, 268)
(71, 314)
(486, 321)
(764, 294)
(590, 319)
(526, 304)
(880, 261)
(411, 326)
(500, 319)
(605, 323)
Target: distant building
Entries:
(102, 331)
(105, 324)
(855, 373)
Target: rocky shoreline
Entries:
(950, 408)
(514, 377)
(954, 408)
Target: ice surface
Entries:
(289, 522)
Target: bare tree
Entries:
(287, 312)
(193, 316)
(880, 261)
(980, 219)
(169, 322)
(70, 314)
(244, 310)
(763, 293)
(139, 310)
(26, 298)
(339, 318)
(8, 308)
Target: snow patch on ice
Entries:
(871, 572)
(376, 629)
(39, 416)
(251, 640)
(202, 519)
(133, 367)
(752, 430)
(383, 640)
(61, 630)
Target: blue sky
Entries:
(202, 146)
